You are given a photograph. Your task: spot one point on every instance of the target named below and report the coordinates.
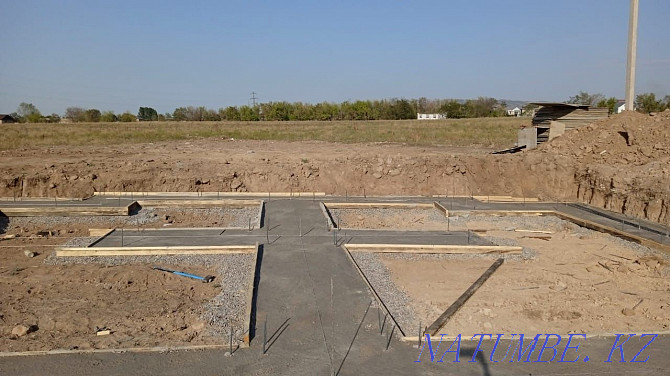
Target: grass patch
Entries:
(486, 132)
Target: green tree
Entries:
(647, 103)
(127, 117)
(229, 113)
(248, 113)
(147, 114)
(108, 117)
(610, 103)
(27, 112)
(92, 115)
(586, 99)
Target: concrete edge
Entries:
(329, 218)
(250, 300)
(441, 208)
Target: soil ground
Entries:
(65, 304)
(595, 165)
(578, 281)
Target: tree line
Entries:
(386, 109)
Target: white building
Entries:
(516, 111)
(430, 116)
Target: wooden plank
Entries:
(501, 213)
(377, 205)
(433, 249)
(99, 231)
(435, 327)
(505, 199)
(441, 208)
(209, 194)
(227, 203)
(150, 251)
(117, 351)
(64, 211)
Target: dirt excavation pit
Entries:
(568, 280)
(60, 303)
(414, 219)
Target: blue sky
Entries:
(119, 55)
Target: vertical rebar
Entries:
(468, 236)
(121, 236)
(300, 226)
(379, 318)
(231, 340)
(334, 237)
(55, 201)
(419, 346)
(448, 226)
(346, 195)
(388, 343)
(267, 229)
(364, 195)
(249, 224)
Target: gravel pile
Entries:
(233, 272)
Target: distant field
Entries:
(484, 132)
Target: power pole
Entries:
(253, 98)
(632, 52)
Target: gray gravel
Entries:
(233, 272)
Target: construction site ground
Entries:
(321, 316)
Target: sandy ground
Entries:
(63, 305)
(579, 281)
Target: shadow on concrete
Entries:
(273, 338)
(254, 299)
(4, 223)
(481, 359)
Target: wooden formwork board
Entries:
(377, 205)
(210, 194)
(163, 349)
(441, 208)
(199, 204)
(99, 232)
(151, 251)
(501, 213)
(434, 249)
(66, 211)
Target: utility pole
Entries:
(253, 98)
(632, 52)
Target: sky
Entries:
(120, 55)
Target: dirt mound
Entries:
(628, 138)
(621, 163)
